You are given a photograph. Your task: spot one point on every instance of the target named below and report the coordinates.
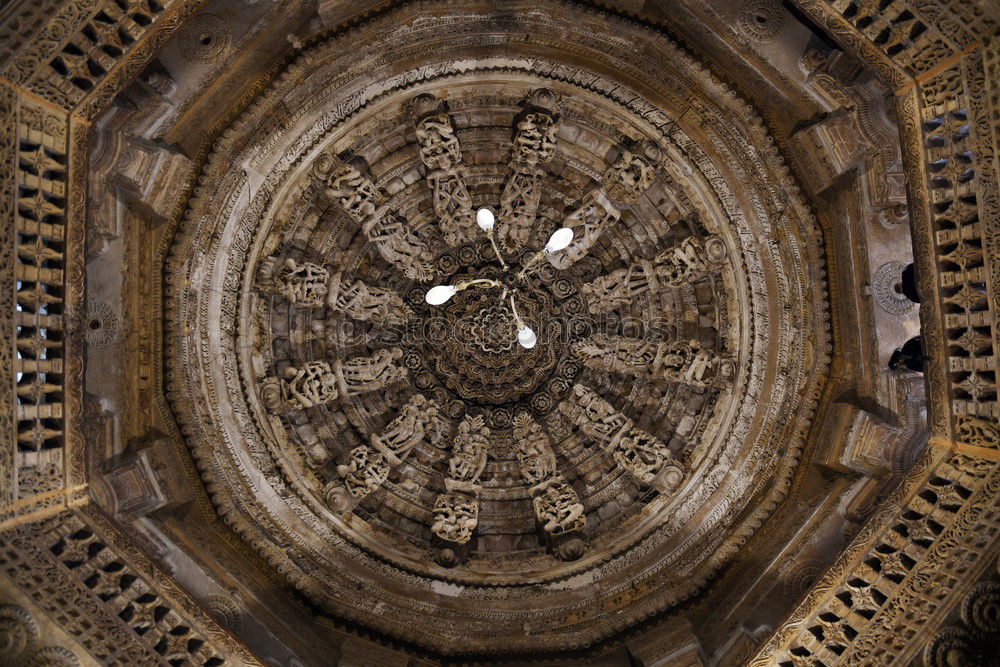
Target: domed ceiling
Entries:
(449, 332)
(411, 467)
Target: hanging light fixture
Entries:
(486, 220)
(440, 294)
(560, 240)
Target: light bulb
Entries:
(526, 338)
(560, 239)
(485, 219)
(440, 294)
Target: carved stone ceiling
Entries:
(406, 466)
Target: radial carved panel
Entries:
(394, 459)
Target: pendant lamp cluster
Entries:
(559, 240)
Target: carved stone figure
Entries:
(313, 384)
(469, 454)
(347, 187)
(309, 284)
(363, 374)
(456, 511)
(535, 140)
(362, 302)
(303, 284)
(441, 154)
(675, 266)
(316, 382)
(399, 245)
(534, 452)
(617, 289)
(365, 471)
(633, 172)
(684, 362)
(557, 506)
(439, 147)
(353, 192)
(639, 453)
(518, 204)
(367, 467)
(453, 205)
(597, 418)
(534, 144)
(628, 356)
(456, 516)
(420, 418)
(682, 263)
(588, 223)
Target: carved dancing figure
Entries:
(534, 452)
(679, 265)
(360, 375)
(313, 384)
(596, 417)
(399, 245)
(441, 154)
(360, 199)
(632, 173)
(588, 222)
(303, 284)
(351, 190)
(419, 419)
(456, 511)
(362, 302)
(468, 458)
(439, 147)
(365, 471)
(367, 467)
(639, 453)
(456, 516)
(534, 144)
(628, 356)
(309, 284)
(557, 506)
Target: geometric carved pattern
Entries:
(118, 613)
(870, 607)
